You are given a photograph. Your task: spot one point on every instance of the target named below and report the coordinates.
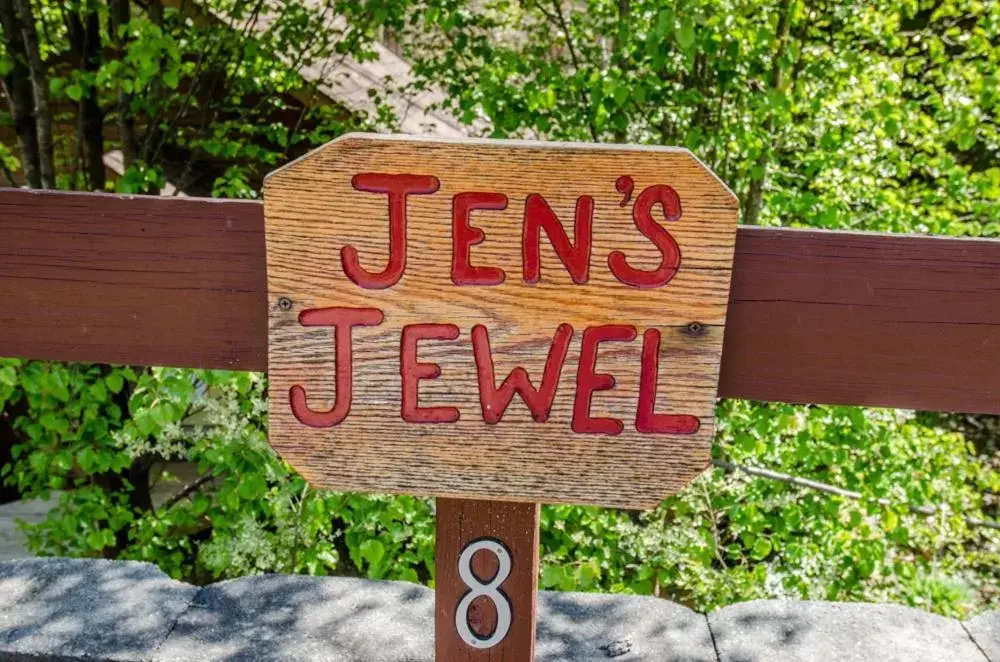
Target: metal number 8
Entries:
(490, 590)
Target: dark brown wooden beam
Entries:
(865, 319)
(822, 317)
(137, 280)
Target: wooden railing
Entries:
(814, 316)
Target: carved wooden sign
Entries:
(493, 319)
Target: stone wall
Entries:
(62, 610)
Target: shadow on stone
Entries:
(590, 626)
(278, 617)
(65, 610)
(74, 609)
(780, 631)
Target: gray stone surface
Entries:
(61, 610)
(590, 626)
(779, 631)
(277, 617)
(985, 629)
(76, 609)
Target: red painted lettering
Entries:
(625, 185)
(646, 420)
(588, 382)
(539, 401)
(670, 253)
(464, 236)
(343, 319)
(538, 216)
(398, 187)
(411, 371)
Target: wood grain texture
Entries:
(864, 319)
(132, 280)
(814, 316)
(312, 211)
(459, 522)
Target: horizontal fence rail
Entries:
(814, 316)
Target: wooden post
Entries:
(486, 580)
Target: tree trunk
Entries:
(619, 57)
(85, 41)
(8, 438)
(40, 93)
(93, 118)
(119, 16)
(17, 89)
(154, 9)
(754, 200)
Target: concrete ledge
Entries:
(778, 631)
(591, 626)
(75, 609)
(985, 629)
(66, 610)
(275, 617)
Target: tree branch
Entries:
(618, 52)
(40, 92)
(17, 89)
(85, 42)
(118, 18)
(186, 491)
(838, 491)
(564, 26)
(755, 194)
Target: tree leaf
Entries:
(966, 140)
(114, 382)
(761, 548)
(685, 34)
(372, 551)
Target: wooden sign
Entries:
(502, 320)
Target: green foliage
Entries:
(208, 107)
(96, 431)
(726, 538)
(844, 115)
(729, 538)
(862, 116)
